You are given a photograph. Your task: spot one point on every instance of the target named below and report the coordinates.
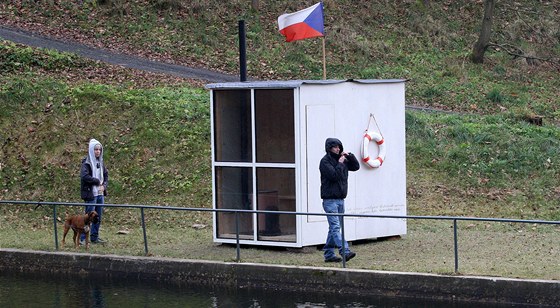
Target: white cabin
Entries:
(267, 140)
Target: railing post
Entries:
(144, 231)
(55, 229)
(238, 258)
(341, 220)
(456, 246)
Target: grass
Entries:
(473, 162)
(487, 249)
(375, 39)
(457, 165)
(483, 159)
(176, 131)
(147, 158)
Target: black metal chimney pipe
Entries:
(242, 52)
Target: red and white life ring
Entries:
(377, 162)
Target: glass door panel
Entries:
(274, 126)
(232, 125)
(272, 162)
(276, 192)
(234, 190)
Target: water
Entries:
(24, 290)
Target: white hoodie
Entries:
(95, 163)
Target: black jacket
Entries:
(334, 175)
(87, 181)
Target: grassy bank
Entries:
(482, 166)
(157, 142)
(157, 146)
(485, 249)
(428, 44)
(484, 160)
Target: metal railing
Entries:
(237, 212)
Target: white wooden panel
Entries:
(319, 126)
(380, 191)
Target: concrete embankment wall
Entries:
(286, 278)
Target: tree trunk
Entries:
(485, 32)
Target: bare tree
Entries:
(485, 32)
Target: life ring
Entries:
(377, 162)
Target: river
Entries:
(26, 290)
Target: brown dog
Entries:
(79, 224)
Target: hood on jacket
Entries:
(91, 149)
(331, 142)
(91, 156)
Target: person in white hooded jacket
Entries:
(93, 186)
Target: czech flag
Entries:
(302, 24)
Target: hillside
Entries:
(485, 160)
(429, 44)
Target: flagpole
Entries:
(324, 61)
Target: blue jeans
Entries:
(94, 232)
(334, 237)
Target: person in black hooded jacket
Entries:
(334, 167)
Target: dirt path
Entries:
(31, 39)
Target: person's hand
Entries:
(342, 157)
(101, 188)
